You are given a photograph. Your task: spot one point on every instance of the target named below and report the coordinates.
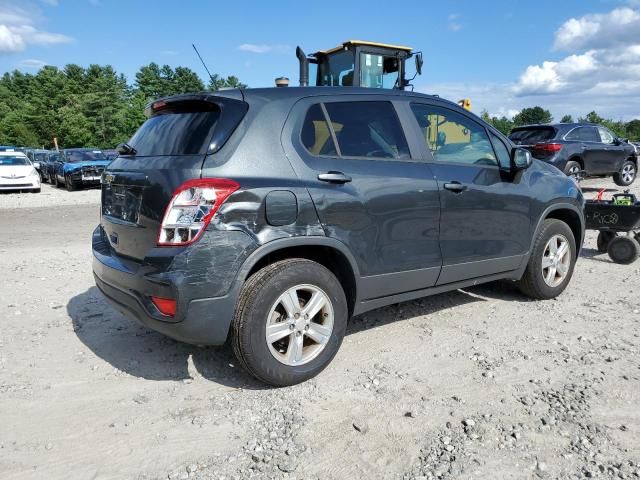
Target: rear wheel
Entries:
(624, 250)
(572, 168)
(289, 322)
(627, 174)
(551, 263)
(604, 238)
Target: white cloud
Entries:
(454, 23)
(32, 63)
(601, 30)
(262, 48)
(17, 29)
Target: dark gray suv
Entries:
(272, 216)
(580, 147)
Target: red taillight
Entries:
(547, 148)
(191, 208)
(165, 306)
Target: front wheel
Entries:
(289, 322)
(627, 174)
(68, 182)
(551, 263)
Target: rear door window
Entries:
(183, 128)
(589, 134)
(368, 130)
(575, 134)
(529, 136)
(316, 135)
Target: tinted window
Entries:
(589, 134)
(180, 129)
(74, 156)
(454, 138)
(528, 136)
(575, 134)
(584, 134)
(368, 129)
(14, 161)
(337, 71)
(316, 136)
(504, 156)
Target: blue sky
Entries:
(493, 52)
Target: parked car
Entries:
(274, 215)
(575, 147)
(38, 157)
(47, 166)
(79, 167)
(17, 172)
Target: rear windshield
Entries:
(528, 136)
(14, 161)
(183, 128)
(84, 156)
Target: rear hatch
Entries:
(167, 150)
(538, 139)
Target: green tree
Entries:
(217, 82)
(532, 116)
(567, 119)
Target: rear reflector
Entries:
(547, 148)
(166, 306)
(191, 208)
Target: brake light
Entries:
(547, 148)
(191, 208)
(165, 306)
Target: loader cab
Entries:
(357, 63)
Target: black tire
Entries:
(627, 174)
(624, 250)
(257, 297)
(532, 283)
(572, 168)
(69, 184)
(56, 183)
(604, 238)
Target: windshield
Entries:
(76, 156)
(337, 70)
(184, 128)
(14, 161)
(40, 157)
(528, 136)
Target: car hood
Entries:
(14, 171)
(70, 167)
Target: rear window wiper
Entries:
(126, 149)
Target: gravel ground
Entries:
(477, 383)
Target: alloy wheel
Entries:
(628, 173)
(299, 325)
(556, 260)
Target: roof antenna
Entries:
(203, 64)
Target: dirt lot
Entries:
(480, 383)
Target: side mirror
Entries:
(36, 165)
(521, 159)
(419, 63)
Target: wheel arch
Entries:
(576, 158)
(330, 253)
(570, 215)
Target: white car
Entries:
(18, 173)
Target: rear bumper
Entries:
(128, 286)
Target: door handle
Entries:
(455, 187)
(334, 177)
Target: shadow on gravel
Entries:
(593, 254)
(140, 352)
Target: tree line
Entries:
(534, 115)
(93, 106)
